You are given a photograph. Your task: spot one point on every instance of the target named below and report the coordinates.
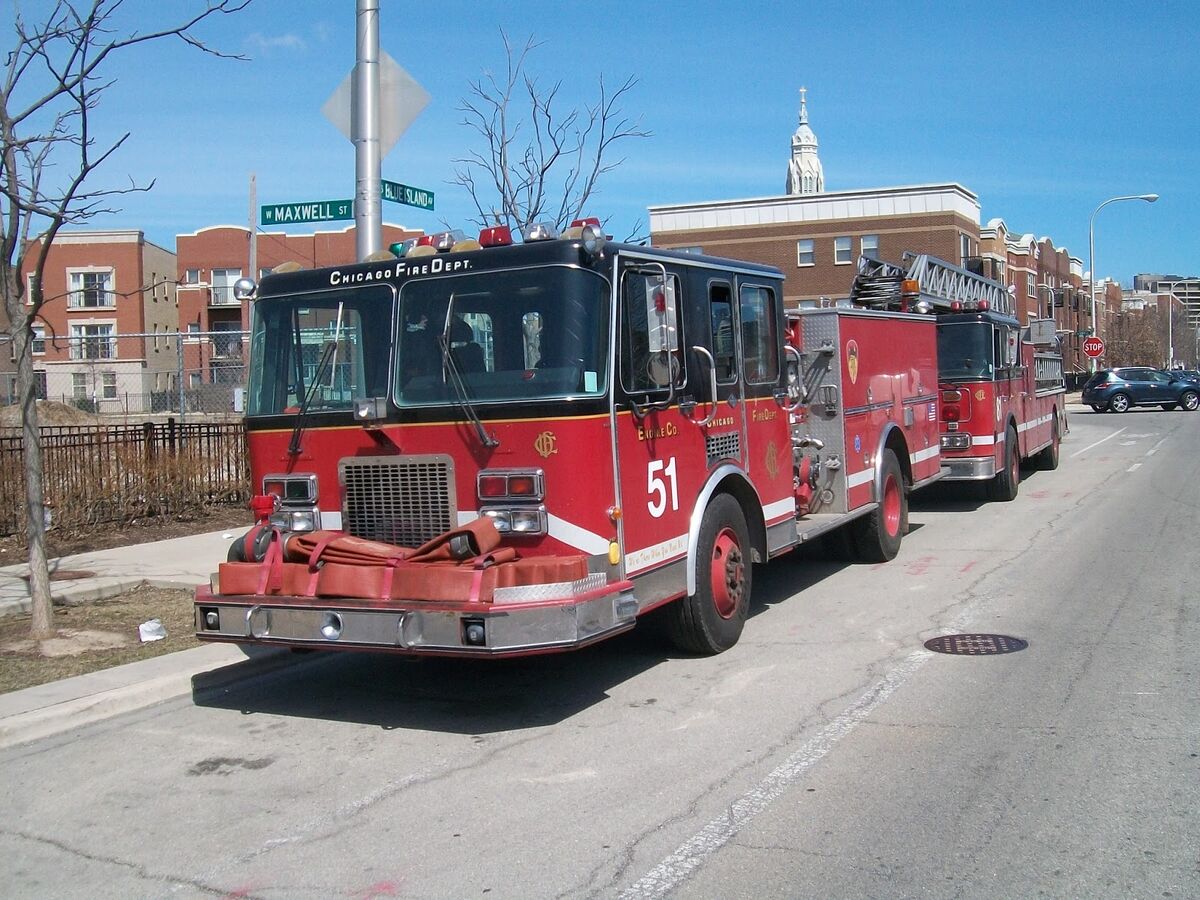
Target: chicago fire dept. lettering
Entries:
(432, 265)
(721, 422)
(765, 415)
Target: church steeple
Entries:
(805, 175)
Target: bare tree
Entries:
(539, 164)
(53, 81)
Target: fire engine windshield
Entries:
(528, 334)
(291, 335)
(965, 351)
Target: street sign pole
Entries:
(368, 214)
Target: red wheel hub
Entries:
(891, 506)
(727, 573)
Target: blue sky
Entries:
(1042, 109)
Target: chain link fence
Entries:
(196, 374)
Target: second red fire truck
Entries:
(490, 448)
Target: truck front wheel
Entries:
(1004, 486)
(711, 620)
(878, 534)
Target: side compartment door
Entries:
(660, 452)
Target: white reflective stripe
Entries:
(927, 453)
(331, 521)
(570, 533)
(985, 440)
(636, 560)
(785, 507)
(864, 477)
(1034, 423)
(466, 516)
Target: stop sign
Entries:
(1093, 347)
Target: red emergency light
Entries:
(496, 236)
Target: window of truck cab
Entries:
(330, 346)
(527, 334)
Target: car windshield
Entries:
(290, 336)
(965, 351)
(524, 334)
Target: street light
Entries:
(1149, 198)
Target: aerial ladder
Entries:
(925, 283)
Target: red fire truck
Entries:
(492, 448)
(1002, 386)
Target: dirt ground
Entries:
(94, 636)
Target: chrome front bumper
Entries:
(459, 629)
(982, 468)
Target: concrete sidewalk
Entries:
(62, 705)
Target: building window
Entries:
(191, 276)
(79, 385)
(108, 385)
(38, 346)
(194, 380)
(222, 286)
(841, 250)
(1031, 285)
(90, 290)
(869, 244)
(193, 327)
(93, 342)
(30, 283)
(39, 384)
(964, 246)
(806, 254)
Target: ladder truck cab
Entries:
(1002, 386)
(491, 448)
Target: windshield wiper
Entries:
(460, 389)
(301, 415)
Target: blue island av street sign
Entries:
(407, 194)
(317, 211)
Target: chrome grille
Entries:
(403, 500)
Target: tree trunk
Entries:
(42, 626)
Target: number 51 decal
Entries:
(658, 489)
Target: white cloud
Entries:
(261, 43)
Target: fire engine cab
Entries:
(489, 448)
(1002, 386)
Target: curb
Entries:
(59, 706)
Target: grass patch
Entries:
(22, 664)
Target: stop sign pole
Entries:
(1093, 347)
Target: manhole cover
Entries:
(976, 644)
(67, 575)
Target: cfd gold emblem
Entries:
(852, 360)
(979, 395)
(544, 445)
(772, 460)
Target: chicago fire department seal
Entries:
(852, 360)
(544, 445)
(772, 460)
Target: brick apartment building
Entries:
(212, 259)
(106, 330)
(816, 239)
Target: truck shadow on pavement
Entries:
(479, 696)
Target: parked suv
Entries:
(1115, 390)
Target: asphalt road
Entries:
(827, 755)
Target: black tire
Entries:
(1189, 400)
(1169, 407)
(1096, 407)
(1004, 486)
(877, 535)
(1047, 459)
(711, 620)
(1119, 403)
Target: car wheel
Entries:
(1004, 486)
(1169, 406)
(1119, 403)
(711, 620)
(1189, 400)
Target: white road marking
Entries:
(1097, 444)
(669, 873)
(1134, 467)
(1154, 449)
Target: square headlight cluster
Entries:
(296, 501)
(513, 499)
(956, 441)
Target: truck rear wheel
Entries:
(1004, 486)
(878, 534)
(711, 620)
(1047, 460)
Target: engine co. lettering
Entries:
(662, 431)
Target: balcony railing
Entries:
(222, 295)
(91, 298)
(93, 348)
